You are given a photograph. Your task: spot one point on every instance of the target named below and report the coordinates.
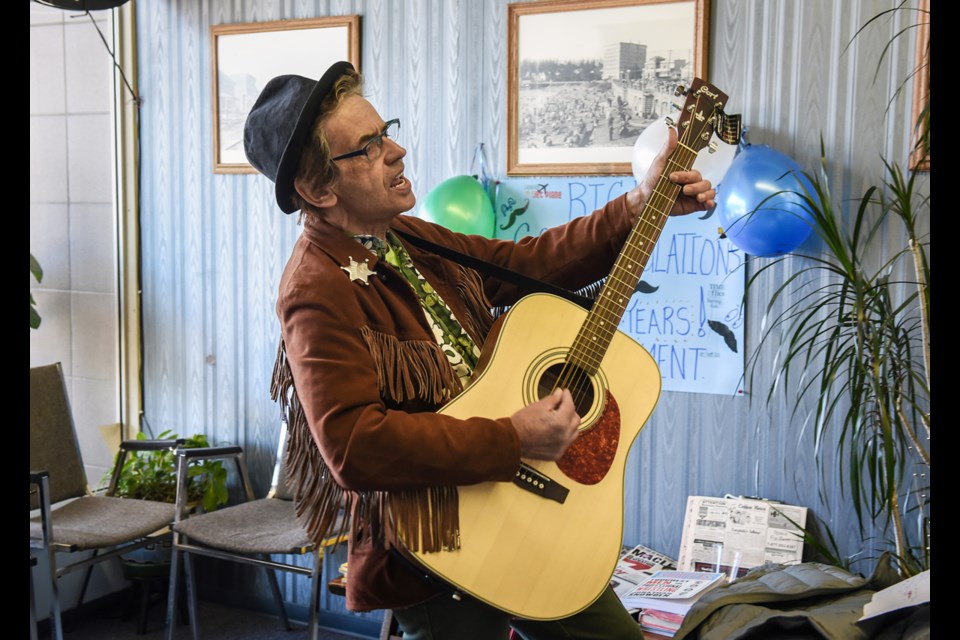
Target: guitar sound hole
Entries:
(574, 378)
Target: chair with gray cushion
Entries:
(71, 518)
(250, 532)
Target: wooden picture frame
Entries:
(919, 159)
(246, 56)
(567, 114)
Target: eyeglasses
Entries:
(375, 144)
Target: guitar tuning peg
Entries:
(712, 147)
(669, 121)
(675, 106)
(680, 90)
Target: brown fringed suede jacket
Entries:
(361, 375)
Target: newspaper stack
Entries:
(733, 534)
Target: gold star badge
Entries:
(359, 271)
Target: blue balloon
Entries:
(759, 203)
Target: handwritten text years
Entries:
(647, 324)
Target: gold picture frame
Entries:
(246, 56)
(585, 77)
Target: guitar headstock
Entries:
(702, 114)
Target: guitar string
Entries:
(610, 305)
(592, 353)
(573, 376)
(622, 262)
(634, 256)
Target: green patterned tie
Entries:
(447, 328)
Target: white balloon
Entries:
(648, 146)
(712, 166)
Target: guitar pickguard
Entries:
(589, 458)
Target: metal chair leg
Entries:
(86, 581)
(56, 620)
(191, 594)
(315, 595)
(172, 592)
(277, 596)
(33, 602)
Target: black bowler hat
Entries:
(279, 124)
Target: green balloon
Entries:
(460, 204)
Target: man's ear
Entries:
(320, 199)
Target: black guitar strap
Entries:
(495, 270)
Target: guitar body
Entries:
(521, 552)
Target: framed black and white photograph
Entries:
(246, 56)
(586, 77)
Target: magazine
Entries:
(907, 593)
(673, 591)
(663, 623)
(636, 565)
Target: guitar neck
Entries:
(601, 324)
(701, 115)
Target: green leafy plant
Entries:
(152, 475)
(854, 331)
(37, 273)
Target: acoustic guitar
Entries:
(545, 545)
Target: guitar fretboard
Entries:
(597, 331)
(700, 116)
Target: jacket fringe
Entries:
(319, 501)
(411, 369)
(479, 320)
(426, 520)
(427, 523)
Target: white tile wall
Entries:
(72, 214)
(47, 80)
(51, 342)
(72, 236)
(94, 322)
(50, 244)
(90, 153)
(93, 402)
(88, 77)
(40, 14)
(48, 158)
(92, 248)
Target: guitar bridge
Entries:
(535, 482)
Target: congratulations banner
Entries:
(687, 311)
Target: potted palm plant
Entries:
(851, 331)
(854, 332)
